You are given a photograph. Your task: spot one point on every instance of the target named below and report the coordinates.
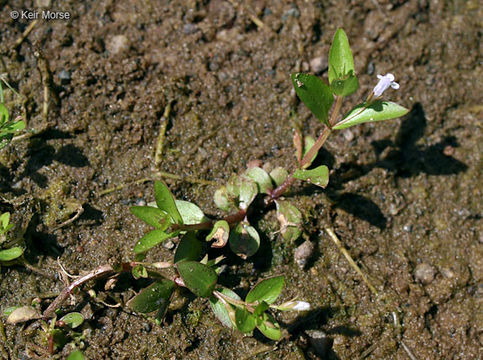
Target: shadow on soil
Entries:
(404, 157)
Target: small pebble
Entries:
(348, 135)
(169, 245)
(140, 202)
(117, 44)
(371, 68)
(303, 253)
(64, 76)
(318, 64)
(448, 150)
(190, 28)
(291, 12)
(425, 273)
(408, 228)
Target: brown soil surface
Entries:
(404, 195)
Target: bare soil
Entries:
(404, 195)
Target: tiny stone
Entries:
(303, 253)
(117, 44)
(318, 64)
(305, 66)
(291, 12)
(371, 68)
(64, 76)
(408, 228)
(169, 244)
(348, 134)
(425, 273)
(190, 28)
(140, 202)
(448, 150)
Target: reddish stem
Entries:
(230, 219)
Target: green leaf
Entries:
(222, 200)
(3, 114)
(76, 355)
(155, 217)
(152, 239)
(190, 213)
(245, 321)
(165, 201)
(290, 219)
(199, 278)
(279, 174)
(73, 319)
(269, 327)
(315, 94)
(345, 86)
(261, 308)
(244, 240)
(375, 111)
(341, 62)
(309, 141)
(266, 290)
(23, 314)
(224, 312)
(5, 220)
(154, 297)
(11, 254)
(262, 179)
(248, 191)
(139, 271)
(189, 248)
(318, 176)
(220, 232)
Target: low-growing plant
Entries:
(193, 267)
(7, 127)
(9, 250)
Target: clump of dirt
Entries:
(404, 195)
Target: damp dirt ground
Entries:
(404, 196)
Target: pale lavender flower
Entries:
(384, 83)
(293, 305)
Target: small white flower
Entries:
(301, 306)
(384, 83)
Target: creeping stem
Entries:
(279, 191)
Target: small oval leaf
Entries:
(76, 355)
(224, 312)
(152, 239)
(269, 327)
(152, 216)
(165, 201)
(279, 174)
(318, 176)
(190, 213)
(245, 321)
(266, 290)
(199, 278)
(341, 62)
(262, 179)
(244, 240)
(220, 232)
(375, 111)
(290, 219)
(73, 319)
(22, 314)
(11, 254)
(154, 297)
(189, 248)
(315, 94)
